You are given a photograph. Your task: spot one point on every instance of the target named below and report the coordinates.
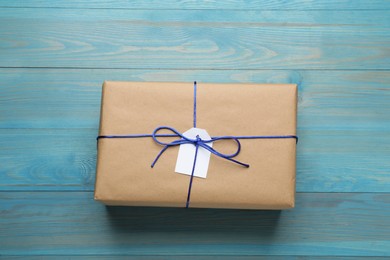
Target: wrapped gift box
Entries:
(124, 173)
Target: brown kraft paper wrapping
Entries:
(124, 176)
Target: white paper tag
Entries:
(185, 159)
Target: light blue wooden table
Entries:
(54, 55)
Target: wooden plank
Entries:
(188, 257)
(61, 159)
(50, 223)
(201, 39)
(328, 100)
(64, 159)
(183, 4)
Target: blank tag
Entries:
(185, 159)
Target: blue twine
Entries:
(192, 173)
(197, 142)
(194, 104)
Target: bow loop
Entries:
(198, 142)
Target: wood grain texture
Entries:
(188, 257)
(69, 98)
(64, 159)
(206, 4)
(201, 39)
(54, 55)
(71, 222)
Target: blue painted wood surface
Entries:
(194, 39)
(54, 55)
(207, 4)
(72, 223)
